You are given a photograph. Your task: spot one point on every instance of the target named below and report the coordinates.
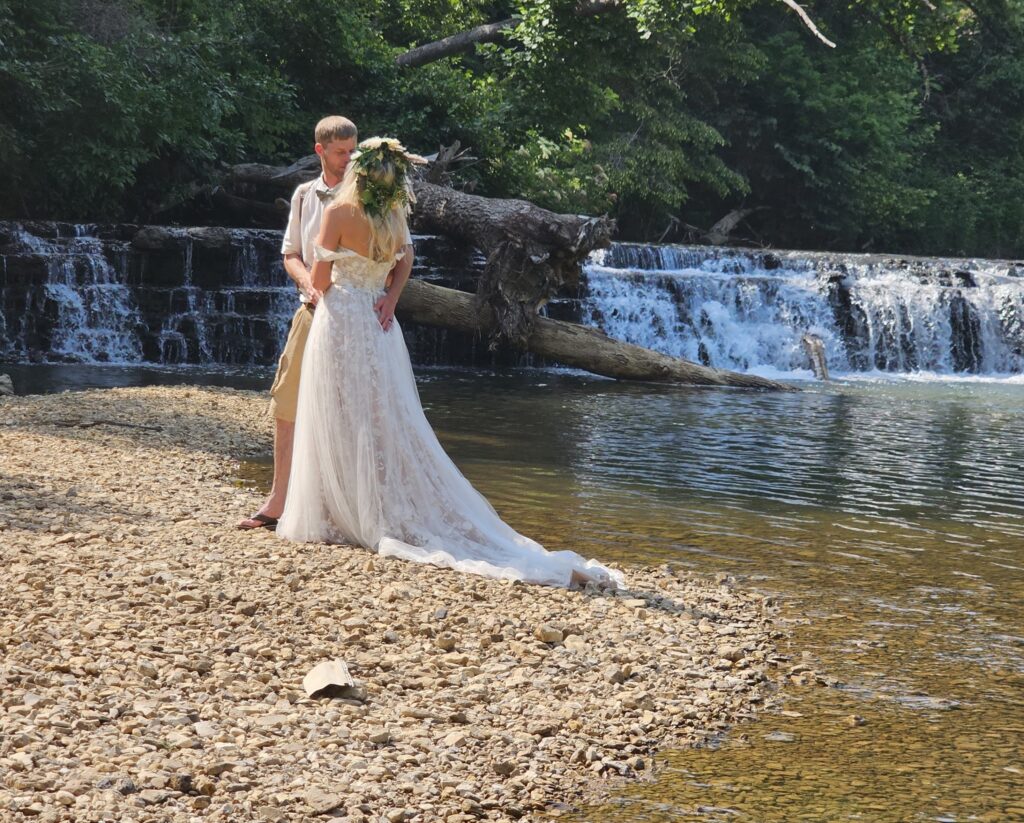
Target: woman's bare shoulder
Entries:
(340, 212)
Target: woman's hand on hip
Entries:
(385, 308)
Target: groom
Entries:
(335, 141)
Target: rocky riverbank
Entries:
(153, 657)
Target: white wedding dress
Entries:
(367, 467)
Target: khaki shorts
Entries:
(284, 394)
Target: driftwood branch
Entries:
(720, 233)
(814, 348)
(439, 170)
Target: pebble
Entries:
(548, 634)
(154, 657)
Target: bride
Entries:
(368, 468)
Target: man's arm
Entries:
(399, 276)
(301, 276)
(291, 247)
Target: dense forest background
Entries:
(908, 136)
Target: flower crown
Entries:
(379, 198)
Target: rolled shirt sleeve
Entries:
(292, 242)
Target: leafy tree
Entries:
(104, 112)
(907, 136)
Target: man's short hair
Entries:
(334, 128)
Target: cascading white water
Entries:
(97, 318)
(219, 296)
(187, 321)
(747, 311)
(82, 293)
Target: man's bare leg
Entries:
(273, 506)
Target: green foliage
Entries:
(560, 174)
(102, 111)
(836, 163)
(908, 136)
(976, 164)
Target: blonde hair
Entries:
(334, 127)
(387, 231)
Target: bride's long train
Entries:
(367, 467)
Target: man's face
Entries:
(335, 154)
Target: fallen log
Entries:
(259, 177)
(569, 343)
(532, 255)
(257, 212)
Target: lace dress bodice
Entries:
(352, 269)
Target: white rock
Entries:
(328, 673)
(205, 728)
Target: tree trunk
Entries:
(258, 212)
(532, 253)
(259, 178)
(568, 343)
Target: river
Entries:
(884, 510)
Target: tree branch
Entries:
(486, 33)
(809, 22)
(429, 52)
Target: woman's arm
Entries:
(330, 239)
(399, 274)
(398, 277)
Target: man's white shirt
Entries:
(307, 212)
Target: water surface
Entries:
(888, 516)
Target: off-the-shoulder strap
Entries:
(320, 253)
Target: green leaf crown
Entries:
(378, 197)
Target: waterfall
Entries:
(179, 296)
(96, 319)
(748, 310)
(89, 294)
(215, 296)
